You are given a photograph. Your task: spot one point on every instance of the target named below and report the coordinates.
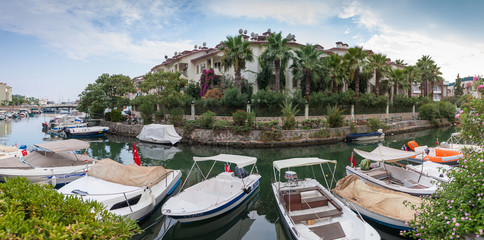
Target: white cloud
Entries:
(87, 29)
(304, 12)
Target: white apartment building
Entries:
(5, 93)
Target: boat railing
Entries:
(160, 177)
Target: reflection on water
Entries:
(260, 220)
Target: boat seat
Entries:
(378, 174)
(313, 216)
(329, 231)
(413, 184)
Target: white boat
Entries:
(309, 210)
(437, 155)
(61, 122)
(54, 163)
(371, 136)
(214, 196)
(393, 177)
(456, 143)
(125, 190)
(86, 132)
(8, 152)
(378, 204)
(436, 171)
(159, 133)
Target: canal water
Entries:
(257, 218)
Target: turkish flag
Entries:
(352, 159)
(24, 152)
(136, 156)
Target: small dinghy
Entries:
(85, 132)
(371, 136)
(393, 177)
(311, 211)
(215, 196)
(126, 190)
(55, 163)
(437, 155)
(378, 204)
(159, 133)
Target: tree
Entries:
(279, 53)
(409, 74)
(108, 91)
(306, 64)
(166, 87)
(458, 89)
(237, 53)
(334, 65)
(396, 77)
(355, 57)
(424, 68)
(435, 77)
(377, 63)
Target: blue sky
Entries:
(54, 48)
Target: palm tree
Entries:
(377, 63)
(423, 66)
(306, 63)
(435, 77)
(335, 67)
(410, 73)
(237, 53)
(396, 77)
(355, 57)
(279, 53)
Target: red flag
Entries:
(227, 168)
(352, 159)
(136, 156)
(24, 152)
(437, 143)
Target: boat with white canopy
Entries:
(217, 195)
(311, 211)
(393, 177)
(126, 190)
(54, 162)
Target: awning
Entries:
(382, 153)
(241, 161)
(300, 162)
(64, 145)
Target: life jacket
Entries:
(412, 145)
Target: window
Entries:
(217, 65)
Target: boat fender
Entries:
(153, 198)
(53, 181)
(247, 190)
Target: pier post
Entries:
(352, 112)
(306, 110)
(413, 111)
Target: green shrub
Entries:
(271, 136)
(251, 120)
(334, 116)
(116, 116)
(96, 110)
(403, 100)
(34, 211)
(239, 117)
(159, 116)
(176, 116)
(189, 126)
(221, 125)
(447, 110)
(288, 113)
(353, 127)
(207, 119)
(241, 130)
(193, 90)
(375, 124)
(429, 112)
(371, 100)
(267, 125)
(311, 123)
(147, 108)
(234, 99)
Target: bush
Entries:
(213, 94)
(221, 125)
(193, 90)
(207, 119)
(428, 112)
(288, 113)
(334, 116)
(176, 116)
(447, 110)
(353, 127)
(250, 120)
(147, 108)
(34, 211)
(375, 124)
(403, 100)
(239, 117)
(371, 100)
(233, 99)
(97, 110)
(311, 123)
(116, 116)
(267, 125)
(189, 126)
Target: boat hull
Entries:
(56, 176)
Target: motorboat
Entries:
(85, 132)
(371, 136)
(436, 171)
(381, 205)
(126, 190)
(437, 155)
(159, 133)
(309, 210)
(393, 177)
(54, 163)
(456, 143)
(62, 122)
(214, 196)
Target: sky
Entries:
(54, 48)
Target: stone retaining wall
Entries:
(253, 138)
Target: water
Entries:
(257, 218)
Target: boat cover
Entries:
(13, 163)
(45, 159)
(299, 162)
(64, 145)
(382, 153)
(240, 161)
(376, 199)
(159, 133)
(131, 175)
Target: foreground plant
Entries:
(33, 211)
